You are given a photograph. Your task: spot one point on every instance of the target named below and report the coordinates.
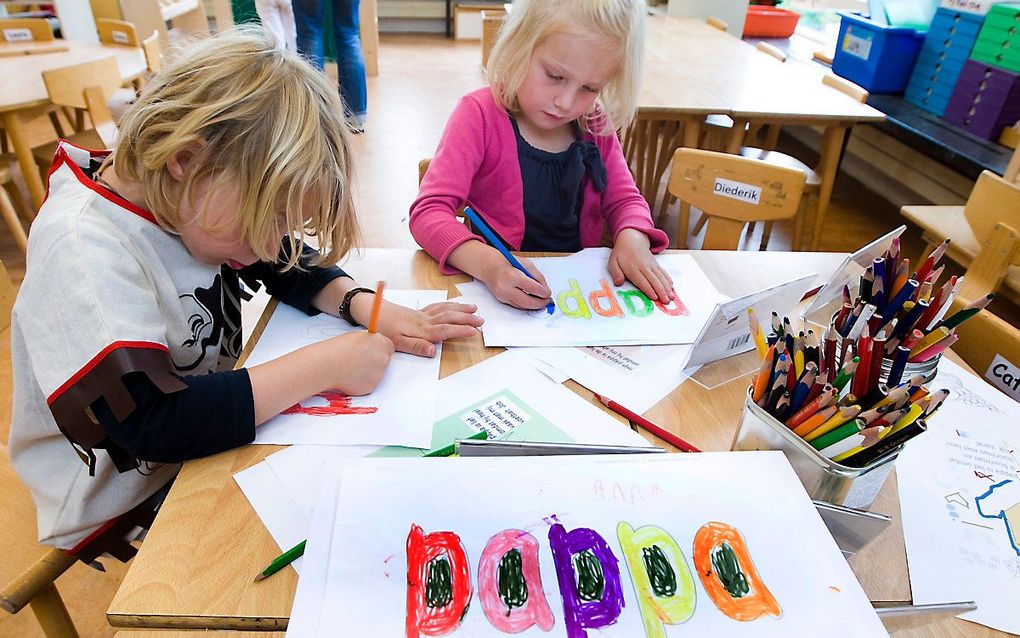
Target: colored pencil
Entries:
(645, 424)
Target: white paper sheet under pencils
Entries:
(959, 486)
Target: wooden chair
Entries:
(153, 54)
(26, 30)
(814, 180)
(423, 167)
(732, 191)
(118, 32)
(85, 86)
(492, 23)
(717, 23)
(984, 336)
(9, 212)
(771, 49)
(28, 570)
(980, 231)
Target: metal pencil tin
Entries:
(928, 368)
(823, 479)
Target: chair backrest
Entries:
(717, 23)
(26, 30)
(87, 86)
(982, 337)
(118, 32)
(994, 200)
(846, 86)
(771, 49)
(153, 55)
(733, 190)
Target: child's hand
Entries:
(513, 287)
(357, 361)
(631, 259)
(417, 331)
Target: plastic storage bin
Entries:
(998, 42)
(877, 57)
(769, 22)
(946, 47)
(986, 100)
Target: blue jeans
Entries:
(308, 17)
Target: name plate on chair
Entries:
(18, 35)
(120, 37)
(1005, 376)
(738, 190)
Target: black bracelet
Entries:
(345, 304)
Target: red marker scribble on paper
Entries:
(337, 403)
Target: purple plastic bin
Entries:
(986, 100)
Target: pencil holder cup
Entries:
(927, 368)
(824, 479)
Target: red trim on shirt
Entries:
(99, 357)
(61, 157)
(91, 537)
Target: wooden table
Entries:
(23, 94)
(195, 568)
(693, 70)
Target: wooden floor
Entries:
(420, 79)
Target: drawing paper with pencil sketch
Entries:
(590, 310)
(580, 547)
(398, 412)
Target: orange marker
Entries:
(373, 319)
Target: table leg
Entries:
(23, 150)
(828, 163)
(368, 16)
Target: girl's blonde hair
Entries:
(532, 21)
(261, 120)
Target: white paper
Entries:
(591, 311)
(404, 401)
(636, 377)
(795, 557)
(281, 488)
(308, 599)
(960, 501)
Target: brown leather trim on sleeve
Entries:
(104, 380)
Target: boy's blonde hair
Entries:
(532, 21)
(265, 122)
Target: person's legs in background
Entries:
(308, 21)
(349, 59)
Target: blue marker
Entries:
(483, 228)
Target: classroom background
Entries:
(943, 74)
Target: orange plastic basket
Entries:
(769, 22)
